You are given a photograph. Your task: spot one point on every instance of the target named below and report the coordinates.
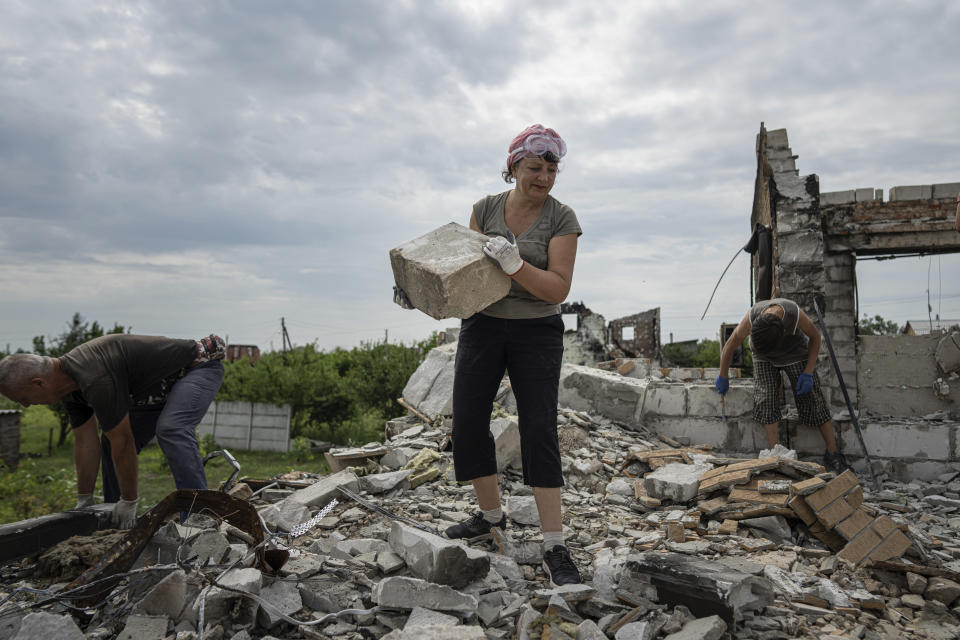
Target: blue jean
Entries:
(174, 426)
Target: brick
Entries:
(860, 547)
(837, 487)
(675, 532)
(748, 495)
(892, 547)
(837, 511)
(724, 480)
(760, 464)
(806, 487)
(857, 522)
(803, 510)
(728, 528)
(830, 538)
(626, 367)
(883, 526)
(807, 468)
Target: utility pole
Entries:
(286, 336)
(386, 336)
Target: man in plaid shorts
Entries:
(783, 338)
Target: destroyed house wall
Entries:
(583, 343)
(898, 376)
(636, 336)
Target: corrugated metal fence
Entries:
(254, 426)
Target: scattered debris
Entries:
(673, 542)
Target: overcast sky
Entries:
(193, 167)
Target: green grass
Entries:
(45, 481)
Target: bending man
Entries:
(135, 388)
(783, 338)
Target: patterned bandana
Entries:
(210, 348)
(535, 140)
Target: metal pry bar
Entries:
(846, 396)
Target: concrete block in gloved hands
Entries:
(445, 273)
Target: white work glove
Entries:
(506, 253)
(400, 298)
(124, 514)
(84, 500)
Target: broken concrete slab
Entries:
(710, 628)
(400, 592)
(376, 483)
(325, 489)
(676, 482)
(523, 510)
(701, 586)
(445, 273)
(506, 437)
(437, 559)
(277, 600)
(49, 626)
(421, 617)
(140, 627)
(438, 632)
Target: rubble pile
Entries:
(674, 542)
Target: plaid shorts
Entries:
(766, 394)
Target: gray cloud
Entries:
(177, 166)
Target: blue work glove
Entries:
(722, 385)
(804, 384)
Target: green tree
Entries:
(342, 395)
(877, 326)
(78, 331)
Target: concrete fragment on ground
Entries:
(139, 627)
(421, 617)
(710, 628)
(675, 482)
(45, 625)
(376, 483)
(325, 489)
(408, 593)
(445, 273)
(523, 510)
(438, 632)
(437, 559)
(278, 599)
(698, 584)
(506, 437)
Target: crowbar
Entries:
(846, 396)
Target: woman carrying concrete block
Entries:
(533, 237)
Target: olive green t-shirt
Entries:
(119, 372)
(556, 219)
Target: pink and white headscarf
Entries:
(535, 140)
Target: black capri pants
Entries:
(531, 350)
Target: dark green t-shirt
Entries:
(555, 219)
(119, 372)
